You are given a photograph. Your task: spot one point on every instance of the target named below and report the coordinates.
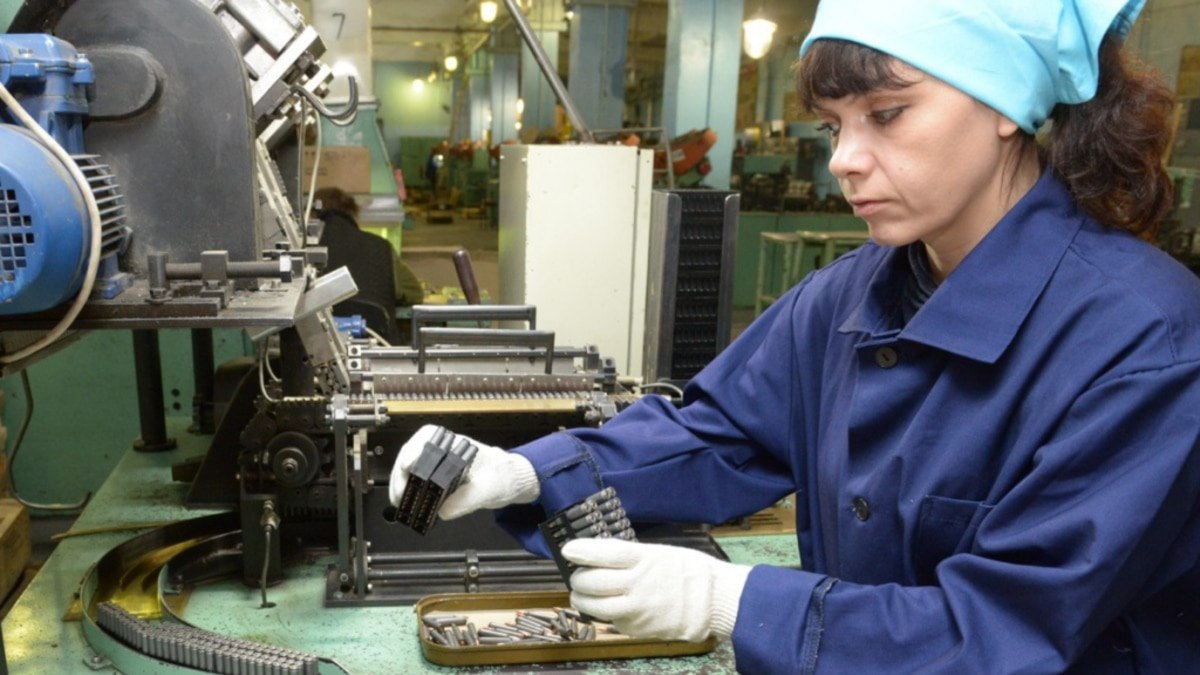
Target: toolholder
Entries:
(599, 516)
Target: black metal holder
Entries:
(598, 516)
(436, 474)
(152, 414)
(203, 368)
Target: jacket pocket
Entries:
(945, 527)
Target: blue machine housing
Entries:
(45, 233)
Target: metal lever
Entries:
(486, 336)
(466, 277)
(425, 314)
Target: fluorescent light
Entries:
(451, 63)
(487, 11)
(418, 85)
(756, 36)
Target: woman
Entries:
(990, 414)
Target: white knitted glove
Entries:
(655, 591)
(495, 478)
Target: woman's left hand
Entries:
(655, 591)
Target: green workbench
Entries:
(751, 225)
(364, 640)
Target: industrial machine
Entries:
(150, 182)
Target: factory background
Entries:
(703, 88)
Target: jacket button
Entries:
(862, 510)
(886, 357)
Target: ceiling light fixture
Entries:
(757, 33)
(418, 85)
(487, 11)
(451, 63)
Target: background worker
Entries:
(990, 414)
(382, 277)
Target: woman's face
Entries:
(920, 163)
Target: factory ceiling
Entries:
(427, 30)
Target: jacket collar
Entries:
(978, 309)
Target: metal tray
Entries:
(606, 647)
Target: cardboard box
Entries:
(342, 166)
(15, 544)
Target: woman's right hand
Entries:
(496, 478)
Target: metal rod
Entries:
(152, 414)
(203, 367)
(434, 353)
(342, 473)
(235, 270)
(450, 557)
(486, 571)
(543, 61)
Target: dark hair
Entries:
(1109, 151)
(336, 199)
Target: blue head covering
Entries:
(1020, 57)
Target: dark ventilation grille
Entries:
(700, 229)
(16, 235)
(689, 305)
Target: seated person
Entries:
(383, 280)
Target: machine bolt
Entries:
(289, 467)
(344, 578)
(379, 450)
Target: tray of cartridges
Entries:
(476, 629)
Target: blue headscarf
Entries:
(1021, 57)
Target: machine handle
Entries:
(494, 337)
(466, 276)
(425, 314)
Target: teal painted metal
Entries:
(405, 111)
(700, 83)
(411, 153)
(365, 640)
(597, 61)
(535, 90)
(752, 164)
(479, 91)
(752, 224)
(87, 393)
(506, 77)
(139, 491)
(364, 131)
(8, 9)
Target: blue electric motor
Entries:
(45, 231)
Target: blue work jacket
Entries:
(1008, 483)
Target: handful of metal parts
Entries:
(599, 516)
(527, 627)
(436, 474)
